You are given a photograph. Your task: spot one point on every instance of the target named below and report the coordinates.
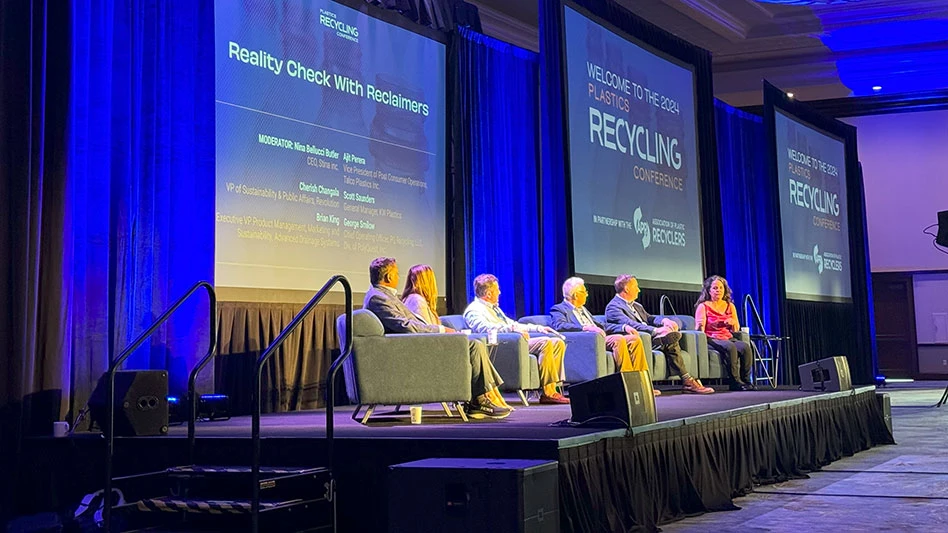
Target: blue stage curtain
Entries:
(140, 192)
(497, 171)
(749, 214)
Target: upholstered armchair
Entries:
(586, 355)
(511, 357)
(403, 369)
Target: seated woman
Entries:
(716, 315)
(421, 297)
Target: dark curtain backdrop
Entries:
(106, 195)
(33, 109)
(555, 224)
(496, 178)
(751, 222)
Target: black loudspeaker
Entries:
(474, 495)
(826, 375)
(942, 238)
(624, 399)
(141, 402)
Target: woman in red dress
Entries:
(716, 315)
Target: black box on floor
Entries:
(475, 495)
(826, 375)
(623, 399)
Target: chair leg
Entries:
(457, 405)
(523, 398)
(447, 410)
(368, 413)
(398, 409)
(355, 414)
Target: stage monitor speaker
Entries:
(826, 375)
(445, 494)
(141, 402)
(623, 399)
(942, 238)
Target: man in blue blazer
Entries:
(382, 299)
(624, 310)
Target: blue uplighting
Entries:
(893, 53)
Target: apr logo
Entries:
(818, 258)
(641, 227)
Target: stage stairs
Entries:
(225, 498)
(218, 498)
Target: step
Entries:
(224, 515)
(227, 483)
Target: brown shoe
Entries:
(694, 386)
(554, 399)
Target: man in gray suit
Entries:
(624, 310)
(382, 299)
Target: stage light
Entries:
(876, 88)
(789, 95)
(210, 407)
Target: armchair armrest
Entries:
(586, 356)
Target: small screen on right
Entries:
(811, 170)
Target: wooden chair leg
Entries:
(447, 409)
(368, 413)
(523, 398)
(457, 405)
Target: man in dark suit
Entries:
(382, 299)
(624, 310)
(622, 340)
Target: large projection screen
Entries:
(330, 144)
(633, 158)
(811, 171)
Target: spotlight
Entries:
(876, 88)
(789, 95)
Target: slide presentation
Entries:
(811, 170)
(633, 159)
(330, 145)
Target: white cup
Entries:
(466, 331)
(60, 429)
(492, 336)
(415, 414)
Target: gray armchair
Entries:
(511, 357)
(586, 355)
(403, 369)
(694, 349)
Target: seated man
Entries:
(382, 299)
(624, 310)
(484, 315)
(622, 340)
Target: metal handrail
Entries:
(192, 377)
(109, 428)
(661, 305)
(753, 307)
(257, 389)
(750, 306)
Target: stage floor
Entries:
(727, 441)
(533, 423)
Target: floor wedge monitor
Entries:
(623, 399)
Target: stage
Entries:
(703, 451)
